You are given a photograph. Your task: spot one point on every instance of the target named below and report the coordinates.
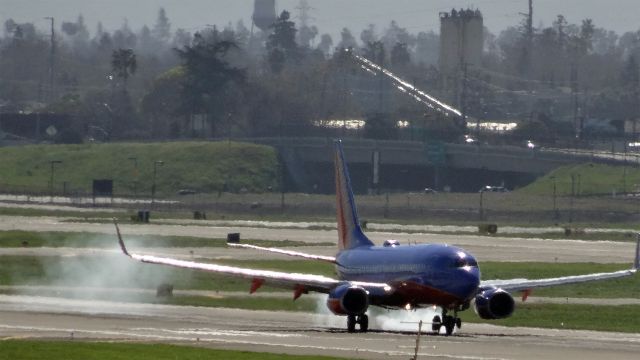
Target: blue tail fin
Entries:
(350, 234)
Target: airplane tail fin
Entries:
(350, 234)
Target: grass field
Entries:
(583, 317)
(79, 350)
(201, 166)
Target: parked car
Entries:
(494, 189)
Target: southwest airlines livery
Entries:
(390, 276)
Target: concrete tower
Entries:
(264, 13)
(461, 40)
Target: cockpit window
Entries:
(465, 260)
(391, 243)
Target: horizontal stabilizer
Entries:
(330, 259)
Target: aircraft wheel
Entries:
(363, 320)
(351, 323)
(436, 323)
(449, 324)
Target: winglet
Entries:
(120, 241)
(636, 262)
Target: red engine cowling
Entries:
(348, 300)
(494, 304)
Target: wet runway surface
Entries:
(296, 333)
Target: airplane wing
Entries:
(330, 259)
(526, 284)
(300, 283)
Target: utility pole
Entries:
(574, 97)
(528, 47)
(463, 94)
(304, 16)
(530, 26)
(636, 117)
(52, 59)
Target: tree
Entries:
(347, 40)
(281, 44)
(368, 35)
(162, 28)
(306, 35)
(400, 56)
(375, 52)
(427, 48)
(124, 64)
(326, 42)
(161, 105)
(208, 76)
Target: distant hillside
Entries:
(200, 166)
(588, 179)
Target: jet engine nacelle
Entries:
(494, 304)
(348, 300)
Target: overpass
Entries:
(411, 165)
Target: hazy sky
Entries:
(330, 15)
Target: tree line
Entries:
(564, 81)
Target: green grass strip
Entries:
(77, 350)
(624, 318)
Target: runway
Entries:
(295, 333)
(300, 333)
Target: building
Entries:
(461, 40)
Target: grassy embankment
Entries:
(200, 166)
(78, 350)
(588, 179)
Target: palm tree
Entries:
(123, 64)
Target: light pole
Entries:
(155, 172)
(53, 166)
(135, 175)
(481, 204)
(556, 214)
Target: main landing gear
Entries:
(362, 320)
(449, 322)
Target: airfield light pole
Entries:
(135, 175)
(155, 173)
(53, 166)
(481, 204)
(555, 199)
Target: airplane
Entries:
(390, 276)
